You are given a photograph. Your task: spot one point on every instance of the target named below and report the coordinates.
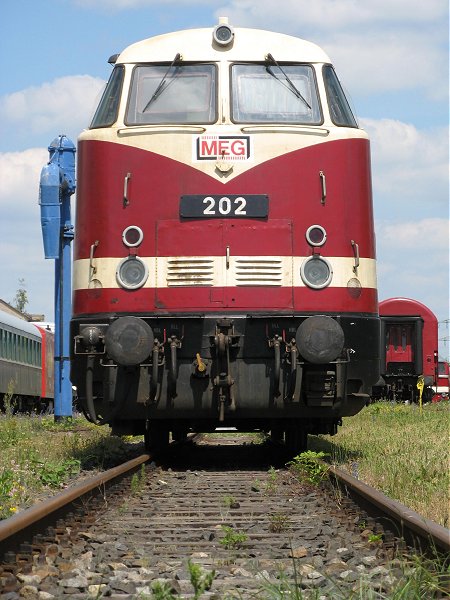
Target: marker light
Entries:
(132, 236)
(316, 235)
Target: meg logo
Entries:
(222, 147)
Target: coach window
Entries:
(36, 353)
(273, 93)
(106, 113)
(166, 94)
(340, 111)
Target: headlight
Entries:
(316, 272)
(223, 34)
(132, 273)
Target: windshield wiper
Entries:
(291, 86)
(161, 84)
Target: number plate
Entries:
(231, 206)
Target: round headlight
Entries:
(316, 272)
(132, 236)
(316, 235)
(223, 35)
(132, 273)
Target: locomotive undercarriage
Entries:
(403, 389)
(203, 372)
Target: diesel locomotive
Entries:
(224, 258)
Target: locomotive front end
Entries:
(224, 264)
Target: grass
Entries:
(400, 450)
(397, 449)
(38, 457)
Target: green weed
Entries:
(278, 522)
(309, 466)
(53, 474)
(201, 581)
(138, 482)
(232, 538)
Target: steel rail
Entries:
(21, 521)
(396, 516)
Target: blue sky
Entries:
(391, 55)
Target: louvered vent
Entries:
(190, 272)
(259, 271)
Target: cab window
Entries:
(340, 110)
(273, 93)
(161, 94)
(106, 113)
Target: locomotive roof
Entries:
(18, 324)
(248, 45)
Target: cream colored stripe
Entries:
(277, 271)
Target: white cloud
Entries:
(19, 181)
(410, 167)
(20, 230)
(374, 62)
(413, 261)
(125, 4)
(377, 45)
(65, 103)
(433, 234)
(329, 14)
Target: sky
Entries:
(392, 57)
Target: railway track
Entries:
(217, 513)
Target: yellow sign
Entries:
(420, 386)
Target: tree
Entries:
(21, 298)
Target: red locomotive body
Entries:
(409, 334)
(224, 262)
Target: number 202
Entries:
(225, 206)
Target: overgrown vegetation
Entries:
(232, 538)
(417, 579)
(200, 580)
(399, 450)
(39, 456)
(309, 466)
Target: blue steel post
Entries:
(57, 184)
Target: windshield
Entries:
(340, 110)
(106, 113)
(269, 93)
(181, 94)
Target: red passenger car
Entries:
(409, 334)
(224, 261)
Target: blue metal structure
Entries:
(57, 184)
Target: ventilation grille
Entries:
(190, 272)
(259, 272)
